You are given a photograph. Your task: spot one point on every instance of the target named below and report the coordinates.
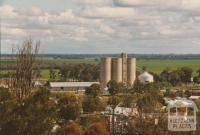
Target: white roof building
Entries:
(71, 86)
(146, 78)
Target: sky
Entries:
(102, 26)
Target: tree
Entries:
(144, 68)
(165, 75)
(174, 77)
(198, 71)
(69, 107)
(97, 129)
(185, 74)
(52, 74)
(81, 72)
(113, 87)
(114, 101)
(150, 100)
(33, 116)
(71, 128)
(94, 90)
(20, 83)
(91, 104)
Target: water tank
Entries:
(131, 71)
(105, 72)
(117, 69)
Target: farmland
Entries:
(153, 65)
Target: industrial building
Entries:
(70, 86)
(119, 69)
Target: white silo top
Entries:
(146, 78)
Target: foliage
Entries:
(33, 116)
(94, 90)
(129, 100)
(71, 128)
(147, 126)
(114, 101)
(91, 104)
(149, 99)
(114, 87)
(97, 129)
(69, 107)
(180, 75)
(52, 74)
(80, 72)
(20, 83)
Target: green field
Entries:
(155, 66)
(158, 66)
(51, 61)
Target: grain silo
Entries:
(131, 71)
(124, 67)
(117, 69)
(105, 75)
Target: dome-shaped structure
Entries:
(146, 78)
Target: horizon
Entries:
(162, 54)
(103, 26)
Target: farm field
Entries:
(152, 65)
(158, 66)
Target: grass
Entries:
(45, 73)
(51, 61)
(156, 66)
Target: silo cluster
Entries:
(119, 69)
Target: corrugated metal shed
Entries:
(71, 84)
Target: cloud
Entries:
(163, 4)
(94, 2)
(129, 25)
(108, 12)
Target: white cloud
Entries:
(106, 29)
(95, 2)
(108, 12)
(7, 11)
(135, 24)
(176, 4)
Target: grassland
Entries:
(158, 66)
(153, 65)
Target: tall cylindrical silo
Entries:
(124, 68)
(131, 71)
(117, 69)
(105, 72)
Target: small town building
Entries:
(146, 78)
(70, 86)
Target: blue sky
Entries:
(103, 26)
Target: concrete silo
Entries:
(117, 69)
(131, 71)
(124, 67)
(105, 72)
